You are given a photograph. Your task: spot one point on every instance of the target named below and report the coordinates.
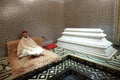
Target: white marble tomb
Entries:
(90, 41)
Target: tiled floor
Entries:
(5, 70)
(100, 75)
(113, 63)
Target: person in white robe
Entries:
(27, 47)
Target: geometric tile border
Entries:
(73, 62)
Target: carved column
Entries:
(117, 27)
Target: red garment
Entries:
(50, 46)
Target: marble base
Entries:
(98, 52)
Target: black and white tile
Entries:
(101, 75)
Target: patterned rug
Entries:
(5, 71)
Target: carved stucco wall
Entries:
(91, 14)
(117, 27)
(49, 17)
(38, 17)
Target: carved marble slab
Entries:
(89, 41)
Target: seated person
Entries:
(27, 47)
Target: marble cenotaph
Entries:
(89, 41)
